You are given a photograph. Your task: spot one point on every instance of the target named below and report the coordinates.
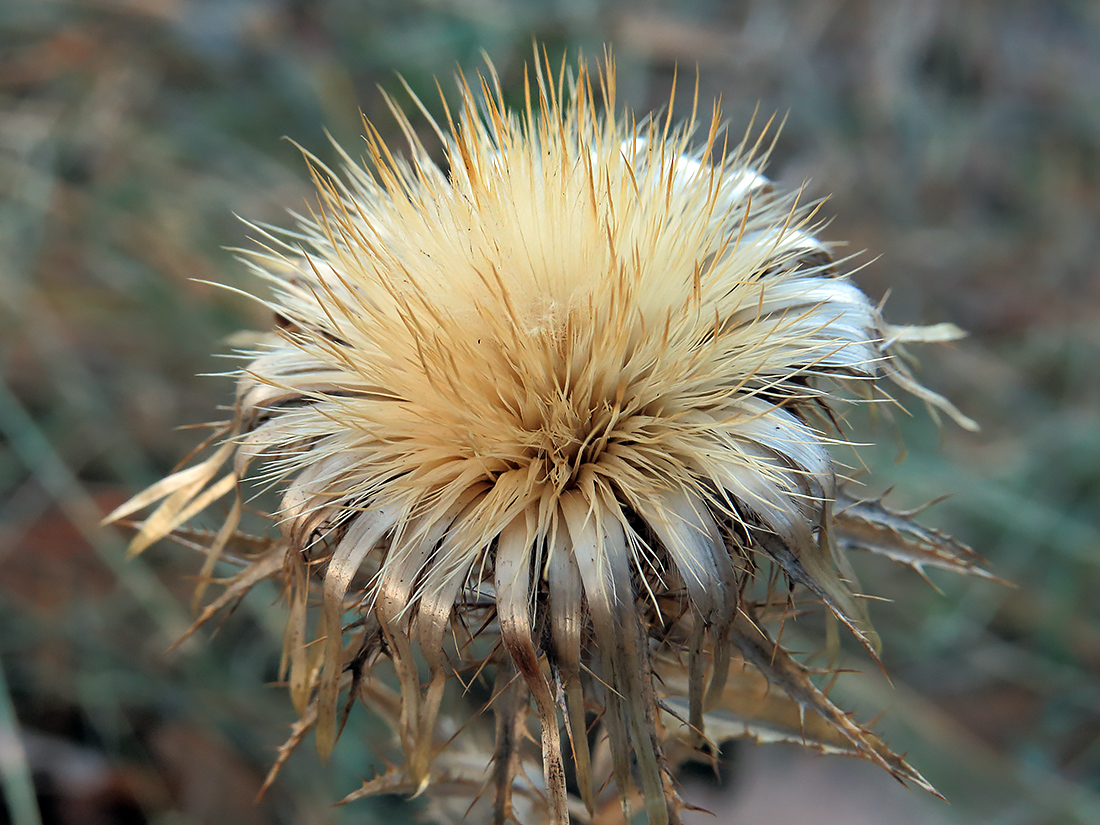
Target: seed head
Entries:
(560, 415)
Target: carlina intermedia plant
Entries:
(552, 428)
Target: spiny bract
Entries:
(548, 416)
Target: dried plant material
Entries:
(871, 525)
(556, 421)
(749, 707)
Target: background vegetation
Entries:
(959, 140)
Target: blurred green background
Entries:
(960, 142)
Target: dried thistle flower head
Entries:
(560, 415)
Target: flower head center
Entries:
(564, 446)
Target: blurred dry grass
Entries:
(961, 140)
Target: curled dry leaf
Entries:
(872, 526)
